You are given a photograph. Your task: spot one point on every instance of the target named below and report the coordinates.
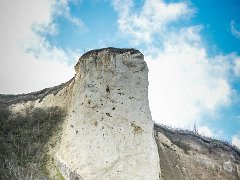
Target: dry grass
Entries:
(23, 141)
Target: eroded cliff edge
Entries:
(108, 133)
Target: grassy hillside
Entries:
(8, 99)
(24, 141)
(182, 137)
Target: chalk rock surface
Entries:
(109, 132)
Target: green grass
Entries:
(24, 139)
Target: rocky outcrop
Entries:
(108, 132)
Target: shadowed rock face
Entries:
(108, 132)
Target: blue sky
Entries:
(192, 48)
(100, 24)
(216, 18)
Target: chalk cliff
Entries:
(108, 132)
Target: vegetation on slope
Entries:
(24, 141)
(177, 136)
(6, 100)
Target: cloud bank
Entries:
(153, 18)
(28, 61)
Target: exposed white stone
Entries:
(109, 133)
(228, 166)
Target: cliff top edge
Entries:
(110, 50)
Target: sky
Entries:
(192, 48)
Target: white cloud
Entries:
(236, 140)
(205, 131)
(153, 18)
(46, 65)
(234, 31)
(61, 8)
(185, 84)
(237, 67)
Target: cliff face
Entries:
(108, 131)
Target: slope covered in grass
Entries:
(24, 140)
